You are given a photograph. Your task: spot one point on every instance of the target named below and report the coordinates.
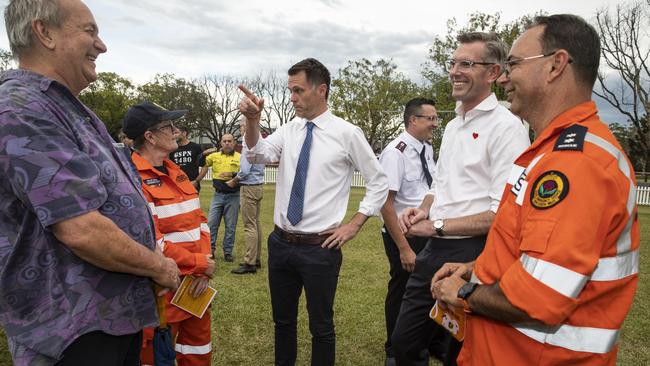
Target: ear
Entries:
(495, 72)
(43, 34)
(322, 89)
(561, 60)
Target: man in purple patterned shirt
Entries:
(77, 243)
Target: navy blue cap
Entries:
(143, 116)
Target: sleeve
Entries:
(392, 163)
(558, 252)
(198, 155)
(188, 263)
(244, 167)
(269, 149)
(46, 169)
(209, 160)
(509, 143)
(365, 161)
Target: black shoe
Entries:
(243, 269)
(258, 264)
(228, 257)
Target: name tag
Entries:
(152, 182)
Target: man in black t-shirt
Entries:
(189, 157)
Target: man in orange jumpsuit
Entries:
(560, 266)
(181, 228)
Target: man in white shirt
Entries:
(478, 149)
(318, 154)
(409, 165)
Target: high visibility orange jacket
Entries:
(564, 248)
(181, 228)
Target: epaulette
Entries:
(401, 146)
(571, 139)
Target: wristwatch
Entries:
(439, 227)
(464, 292)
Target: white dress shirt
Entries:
(401, 162)
(476, 156)
(338, 148)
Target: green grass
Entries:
(243, 329)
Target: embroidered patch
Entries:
(401, 146)
(182, 178)
(152, 182)
(475, 135)
(549, 189)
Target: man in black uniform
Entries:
(189, 157)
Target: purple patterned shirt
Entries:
(57, 161)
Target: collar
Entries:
(43, 81)
(142, 164)
(576, 114)
(488, 104)
(411, 141)
(321, 121)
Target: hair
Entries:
(576, 36)
(495, 49)
(138, 142)
(19, 15)
(183, 128)
(414, 106)
(315, 71)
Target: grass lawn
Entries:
(243, 329)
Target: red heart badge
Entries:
(475, 135)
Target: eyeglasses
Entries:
(170, 126)
(430, 118)
(466, 64)
(507, 69)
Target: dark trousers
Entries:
(414, 328)
(397, 282)
(102, 349)
(293, 267)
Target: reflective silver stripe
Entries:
(161, 243)
(205, 227)
(152, 208)
(616, 268)
(533, 163)
(475, 279)
(580, 339)
(193, 350)
(624, 243)
(175, 209)
(184, 236)
(563, 280)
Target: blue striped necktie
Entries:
(297, 198)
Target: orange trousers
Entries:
(191, 342)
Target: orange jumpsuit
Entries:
(183, 235)
(564, 248)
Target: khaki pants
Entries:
(249, 206)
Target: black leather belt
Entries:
(249, 185)
(308, 239)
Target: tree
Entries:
(221, 106)
(6, 60)
(110, 96)
(372, 96)
(436, 69)
(278, 108)
(625, 48)
(172, 92)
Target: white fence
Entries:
(271, 174)
(643, 195)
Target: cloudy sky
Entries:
(192, 38)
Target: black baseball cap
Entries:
(142, 116)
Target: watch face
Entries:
(438, 224)
(466, 290)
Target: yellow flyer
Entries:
(451, 319)
(193, 305)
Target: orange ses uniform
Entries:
(183, 235)
(564, 247)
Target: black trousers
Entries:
(102, 349)
(293, 267)
(396, 283)
(414, 328)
